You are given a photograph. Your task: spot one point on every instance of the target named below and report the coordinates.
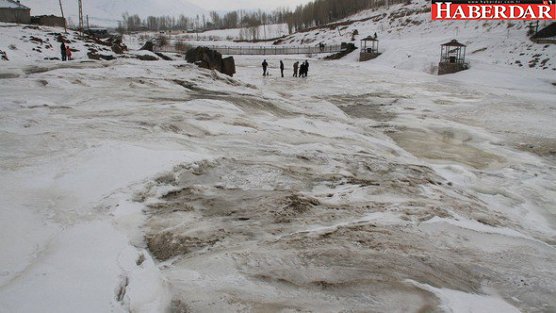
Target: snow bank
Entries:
(455, 301)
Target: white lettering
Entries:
(512, 12)
(439, 9)
(529, 11)
(459, 11)
(487, 11)
(544, 12)
(474, 11)
(464, 12)
(500, 12)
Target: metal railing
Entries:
(267, 50)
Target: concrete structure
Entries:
(452, 58)
(212, 60)
(14, 12)
(546, 35)
(98, 32)
(49, 20)
(369, 49)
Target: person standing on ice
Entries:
(63, 51)
(306, 68)
(302, 70)
(68, 53)
(265, 66)
(282, 68)
(295, 69)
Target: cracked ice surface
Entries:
(136, 187)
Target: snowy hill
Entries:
(109, 12)
(409, 39)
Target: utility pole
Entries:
(88, 26)
(62, 10)
(197, 26)
(81, 17)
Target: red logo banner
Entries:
(494, 10)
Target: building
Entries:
(452, 58)
(14, 12)
(546, 35)
(48, 20)
(369, 48)
(98, 32)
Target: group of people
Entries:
(298, 70)
(303, 69)
(66, 52)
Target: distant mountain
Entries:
(109, 12)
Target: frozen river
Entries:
(133, 186)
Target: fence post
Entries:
(262, 50)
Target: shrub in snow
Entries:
(182, 46)
(4, 56)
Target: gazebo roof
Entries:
(370, 38)
(454, 43)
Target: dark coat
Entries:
(302, 69)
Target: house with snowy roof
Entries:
(14, 12)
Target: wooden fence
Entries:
(267, 50)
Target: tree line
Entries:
(316, 13)
(322, 12)
(234, 19)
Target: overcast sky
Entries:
(114, 8)
(220, 5)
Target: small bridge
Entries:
(268, 50)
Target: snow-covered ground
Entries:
(264, 32)
(132, 186)
(25, 46)
(409, 39)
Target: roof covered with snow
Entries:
(370, 38)
(12, 5)
(454, 43)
